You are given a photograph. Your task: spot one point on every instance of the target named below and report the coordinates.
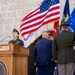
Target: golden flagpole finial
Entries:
(20, 22)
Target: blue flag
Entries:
(71, 20)
(66, 11)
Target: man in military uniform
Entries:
(16, 39)
(62, 50)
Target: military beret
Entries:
(14, 30)
(65, 24)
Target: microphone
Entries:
(5, 38)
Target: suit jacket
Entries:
(62, 47)
(43, 52)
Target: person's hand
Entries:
(55, 61)
(71, 30)
(35, 64)
(50, 38)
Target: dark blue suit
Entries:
(42, 55)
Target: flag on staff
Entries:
(66, 12)
(71, 20)
(48, 11)
(34, 23)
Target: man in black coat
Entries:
(62, 50)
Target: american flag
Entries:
(48, 11)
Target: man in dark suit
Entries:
(43, 54)
(62, 50)
(16, 39)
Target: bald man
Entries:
(43, 54)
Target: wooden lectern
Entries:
(15, 59)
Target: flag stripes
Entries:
(35, 19)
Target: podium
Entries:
(13, 60)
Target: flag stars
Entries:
(51, 3)
(46, 4)
(54, 2)
(44, 8)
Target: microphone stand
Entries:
(4, 38)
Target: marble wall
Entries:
(12, 11)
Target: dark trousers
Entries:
(45, 70)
